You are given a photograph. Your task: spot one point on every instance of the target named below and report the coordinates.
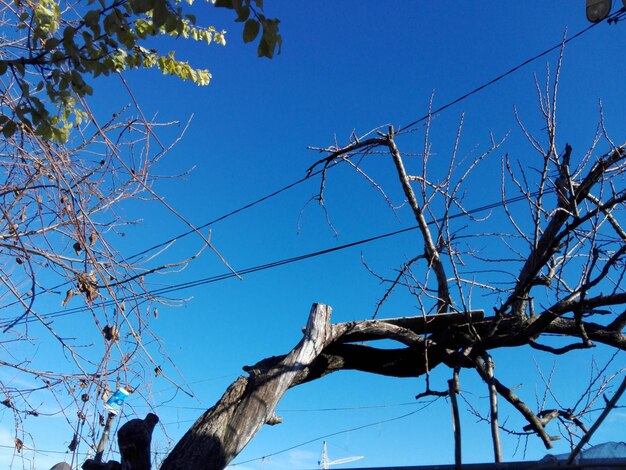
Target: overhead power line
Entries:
(406, 127)
(504, 75)
(274, 264)
(230, 214)
(336, 433)
(611, 18)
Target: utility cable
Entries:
(611, 18)
(221, 277)
(336, 433)
(231, 213)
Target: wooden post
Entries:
(453, 388)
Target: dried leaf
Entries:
(111, 333)
(68, 296)
(74, 444)
(87, 285)
(92, 239)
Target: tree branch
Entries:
(223, 431)
(444, 301)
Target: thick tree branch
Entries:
(223, 431)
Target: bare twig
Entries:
(609, 406)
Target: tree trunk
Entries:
(224, 430)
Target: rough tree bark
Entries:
(223, 431)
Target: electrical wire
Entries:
(336, 433)
(612, 18)
(274, 264)
(231, 213)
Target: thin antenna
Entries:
(325, 463)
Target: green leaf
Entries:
(9, 128)
(92, 18)
(243, 13)
(269, 39)
(51, 43)
(251, 30)
(224, 4)
(159, 13)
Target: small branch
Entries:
(431, 393)
(517, 403)
(619, 323)
(558, 351)
(609, 406)
(274, 420)
(548, 415)
(430, 250)
(339, 152)
(535, 422)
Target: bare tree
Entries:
(567, 259)
(75, 297)
(59, 237)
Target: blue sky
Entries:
(349, 66)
